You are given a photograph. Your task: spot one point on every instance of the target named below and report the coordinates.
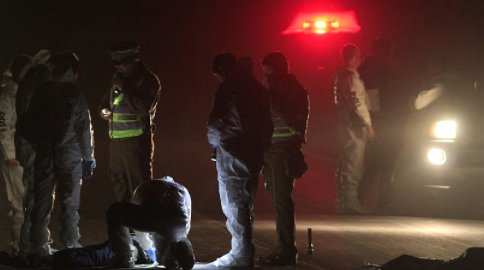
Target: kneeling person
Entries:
(162, 207)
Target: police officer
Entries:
(10, 169)
(58, 125)
(162, 207)
(130, 108)
(239, 128)
(284, 161)
(355, 130)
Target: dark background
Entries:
(179, 40)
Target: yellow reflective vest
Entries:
(125, 123)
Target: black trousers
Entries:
(280, 185)
(166, 228)
(26, 155)
(57, 169)
(130, 164)
(381, 158)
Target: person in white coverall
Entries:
(355, 129)
(10, 169)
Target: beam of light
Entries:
(385, 225)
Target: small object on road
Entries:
(310, 242)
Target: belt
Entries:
(282, 132)
(124, 139)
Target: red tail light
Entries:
(324, 23)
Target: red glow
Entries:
(324, 22)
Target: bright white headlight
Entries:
(445, 129)
(436, 156)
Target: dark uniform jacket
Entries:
(168, 197)
(35, 76)
(289, 104)
(141, 93)
(383, 77)
(240, 114)
(59, 116)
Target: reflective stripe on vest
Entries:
(124, 124)
(283, 132)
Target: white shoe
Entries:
(228, 260)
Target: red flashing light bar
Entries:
(324, 23)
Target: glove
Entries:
(88, 169)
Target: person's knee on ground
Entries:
(183, 254)
(123, 254)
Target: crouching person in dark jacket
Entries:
(161, 207)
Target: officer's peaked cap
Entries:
(124, 51)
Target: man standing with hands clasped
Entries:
(284, 160)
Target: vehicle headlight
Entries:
(445, 129)
(436, 156)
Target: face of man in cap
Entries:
(127, 68)
(125, 57)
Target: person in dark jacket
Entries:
(59, 127)
(388, 110)
(239, 128)
(284, 160)
(130, 109)
(39, 73)
(162, 207)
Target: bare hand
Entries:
(371, 133)
(105, 114)
(13, 162)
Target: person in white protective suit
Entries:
(10, 169)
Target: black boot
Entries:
(277, 260)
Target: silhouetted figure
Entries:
(239, 128)
(59, 127)
(388, 108)
(284, 160)
(39, 73)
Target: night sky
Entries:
(179, 40)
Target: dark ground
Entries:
(341, 242)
